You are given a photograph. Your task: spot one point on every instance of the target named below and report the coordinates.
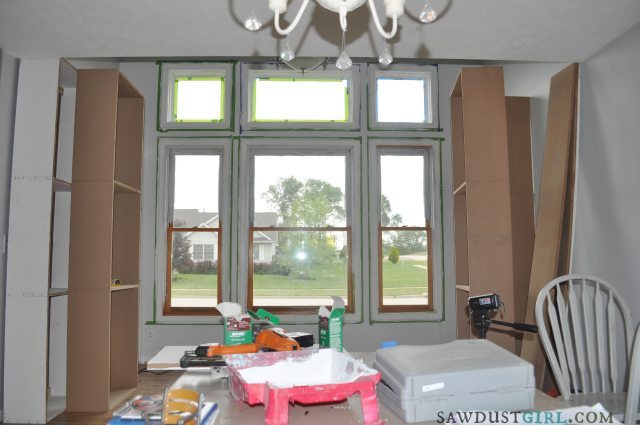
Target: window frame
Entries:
(350, 147)
(250, 72)
(168, 148)
(427, 73)
(169, 72)
(431, 149)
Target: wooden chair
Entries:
(633, 391)
(586, 329)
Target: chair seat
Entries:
(613, 402)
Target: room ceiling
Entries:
(504, 30)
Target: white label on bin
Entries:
(432, 387)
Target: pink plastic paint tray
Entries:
(307, 377)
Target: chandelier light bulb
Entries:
(286, 54)
(385, 57)
(253, 23)
(428, 13)
(344, 61)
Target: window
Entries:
(291, 100)
(406, 255)
(403, 98)
(193, 233)
(195, 96)
(404, 235)
(300, 229)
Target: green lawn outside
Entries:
(400, 279)
(404, 278)
(194, 285)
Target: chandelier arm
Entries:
(376, 20)
(293, 24)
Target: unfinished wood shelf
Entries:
(57, 292)
(61, 185)
(123, 287)
(123, 188)
(105, 242)
(493, 196)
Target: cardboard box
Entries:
(237, 324)
(330, 324)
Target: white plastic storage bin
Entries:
(418, 382)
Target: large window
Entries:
(295, 202)
(194, 234)
(299, 233)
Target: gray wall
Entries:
(358, 337)
(8, 88)
(607, 231)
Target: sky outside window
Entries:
(199, 99)
(401, 100)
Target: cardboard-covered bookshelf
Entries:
(105, 242)
(493, 197)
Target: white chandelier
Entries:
(394, 9)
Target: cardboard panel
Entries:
(551, 207)
(521, 186)
(90, 236)
(35, 123)
(88, 350)
(462, 321)
(457, 142)
(57, 363)
(126, 238)
(129, 141)
(488, 194)
(29, 236)
(124, 339)
(460, 241)
(25, 359)
(95, 124)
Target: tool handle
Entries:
(219, 350)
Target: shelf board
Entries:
(56, 292)
(123, 188)
(463, 288)
(123, 287)
(61, 185)
(461, 190)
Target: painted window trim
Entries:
(166, 148)
(428, 73)
(351, 147)
(432, 193)
(170, 72)
(251, 71)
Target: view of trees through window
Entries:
(299, 230)
(403, 231)
(195, 233)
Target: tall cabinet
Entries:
(104, 242)
(38, 242)
(493, 198)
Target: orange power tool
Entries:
(272, 339)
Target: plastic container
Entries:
(420, 381)
(274, 379)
